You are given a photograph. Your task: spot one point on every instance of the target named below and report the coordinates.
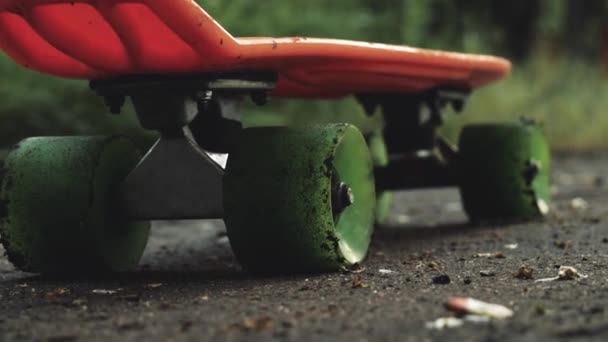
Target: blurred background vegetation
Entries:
(559, 49)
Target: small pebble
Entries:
(525, 273)
(487, 273)
(443, 279)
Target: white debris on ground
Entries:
(477, 319)
(565, 273)
(497, 255)
(445, 323)
(579, 204)
(469, 310)
(470, 306)
(512, 246)
(483, 255)
(402, 219)
(386, 271)
(105, 292)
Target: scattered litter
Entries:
(403, 219)
(483, 255)
(525, 273)
(563, 244)
(512, 246)
(445, 323)
(154, 286)
(579, 204)
(443, 279)
(202, 299)
(570, 273)
(469, 310)
(385, 271)
(565, 273)
(358, 282)
(477, 319)
(105, 292)
(487, 273)
(497, 255)
(470, 306)
(255, 325)
(545, 280)
(24, 285)
(434, 265)
(58, 292)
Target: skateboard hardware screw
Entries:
(343, 197)
(203, 98)
(532, 169)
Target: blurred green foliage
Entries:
(555, 43)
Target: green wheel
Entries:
(504, 172)
(300, 199)
(379, 153)
(56, 206)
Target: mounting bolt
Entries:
(532, 169)
(343, 197)
(203, 98)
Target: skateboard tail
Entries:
(80, 39)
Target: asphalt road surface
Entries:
(190, 287)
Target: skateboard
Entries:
(293, 198)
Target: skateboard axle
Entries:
(342, 198)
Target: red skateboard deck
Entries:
(98, 39)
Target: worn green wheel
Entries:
(379, 154)
(56, 206)
(504, 170)
(300, 199)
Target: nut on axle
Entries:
(342, 197)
